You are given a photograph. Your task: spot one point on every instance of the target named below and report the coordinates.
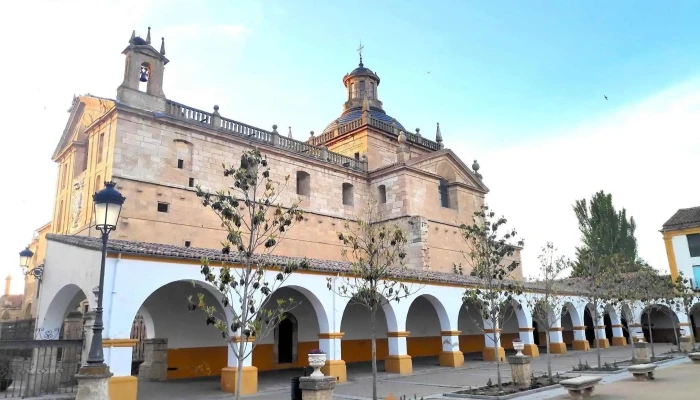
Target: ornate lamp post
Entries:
(94, 376)
(24, 257)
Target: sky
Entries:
(519, 86)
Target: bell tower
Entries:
(143, 74)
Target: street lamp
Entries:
(108, 204)
(24, 257)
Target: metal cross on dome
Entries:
(359, 50)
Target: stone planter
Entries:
(518, 346)
(316, 361)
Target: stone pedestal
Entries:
(249, 380)
(155, 360)
(93, 383)
(454, 359)
(337, 369)
(686, 343)
(619, 341)
(521, 370)
(581, 345)
(557, 348)
(489, 354)
(317, 388)
(642, 353)
(398, 364)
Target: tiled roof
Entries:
(683, 218)
(193, 253)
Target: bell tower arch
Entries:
(143, 74)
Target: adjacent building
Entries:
(681, 235)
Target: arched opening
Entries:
(662, 322)
(303, 183)
(348, 194)
(144, 77)
(471, 338)
(425, 319)
(608, 326)
(66, 300)
(536, 333)
(695, 320)
(286, 339)
(356, 345)
(590, 326)
(569, 319)
(381, 194)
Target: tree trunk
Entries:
(497, 347)
(651, 336)
(374, 356)
(675, 332)
(595, 337)
(239, 377)
(549, 360)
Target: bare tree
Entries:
(685, 300)
(376, 254)
(547, 306)
(490, 250)
(255, 222)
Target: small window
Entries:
(357, 156)
(86, 308)
(303, 183)
(100, 146)
(443, 193)
(362, 89)
(191, 182)
(163, 207)
(694, 244)
(348, 194)
(382, 194)
(180, 164)
(371, 90)
(188, 243)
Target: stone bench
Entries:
(642, 372)
(581, 387)
(695, 357)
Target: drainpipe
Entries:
(111, 296)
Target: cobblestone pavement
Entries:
(428, 378)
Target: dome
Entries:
(361, 71)
(352, 115)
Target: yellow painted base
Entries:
(619, 341)
(335, 368)
(123, 387)
(398, 364)
(603, 343)
(581, 345)
(249, 381)
(531, 350)
(557, 348)
(454, 359)
(490, 354)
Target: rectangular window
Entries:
(371, 90)
(100, 146)
(696, 274)
(188, 243)
(694, 244)
(444, 194)
(191, 182)
(348, 195)
(357, 156)
(163, 207)
(180, 164)
(362, 89)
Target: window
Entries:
(180, 164)
(163, 207)
(694, 244)
(188, 243)
(443, 193)
(696, 274)
(348, 194)
(303, 183)
(382, 194)
(98, 183)
(100, 146)
(191, 182)
(357, 156)
(352, 90)
(371, 90)
(86, 308)
(362, 89)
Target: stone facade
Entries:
(158, 150)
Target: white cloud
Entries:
(647, 155)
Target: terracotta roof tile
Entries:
(683, 218)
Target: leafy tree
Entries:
(490, 251)
(255, 222)
(376, 254)
(547, 306)
(649, 289)
(605, 232)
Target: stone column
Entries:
(155, 360)
(619, 338)
(451, 356)
(330, 343)
(490, 351)
(528, 337)
(93, 384)
(313, 388)
(556, 340)
(229, 375)
(580, 342)
(601, 336)
(398, 360)
(118, 354)
(521, 370)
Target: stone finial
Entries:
(162, 46)
(148, 36)
(216, 110)
(274, 128)
(476, 167)
(438, 136)
(133, 36)
(289, 135)
(402, 152)
(312, 133)
(402, 137)
(418, 132)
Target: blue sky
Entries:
(517, 85)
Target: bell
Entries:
(144, 75)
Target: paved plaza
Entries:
(428, 379)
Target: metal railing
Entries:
(191, 114)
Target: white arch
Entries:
(389, 313)
(148, 322)
(612, 312)
(321, 314)
(573, 313)
(68, 296)
(443, 317)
